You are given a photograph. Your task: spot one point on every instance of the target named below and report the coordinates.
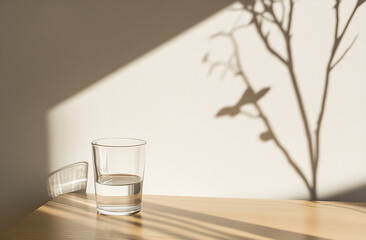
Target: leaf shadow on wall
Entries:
(264, 18)
(52, 50)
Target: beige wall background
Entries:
(50, 51)
(72, 72)
(166, 97)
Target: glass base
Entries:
(119, 210)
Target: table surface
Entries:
(74, 216)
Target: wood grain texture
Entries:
(74, 216)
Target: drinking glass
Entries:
(118, 174)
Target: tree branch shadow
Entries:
(283, 24)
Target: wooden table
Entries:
(73, 216)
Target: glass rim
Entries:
(99, 142)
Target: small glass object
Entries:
(118, 175)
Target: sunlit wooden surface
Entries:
(73, 216)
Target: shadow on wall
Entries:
(265, 19)
(355, 194)
(72, 178)
(51, 50)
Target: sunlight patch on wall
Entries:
(167, 98)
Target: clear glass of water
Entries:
(119, 165)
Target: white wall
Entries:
(166, 97)
(73, 71)
(51, 50)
